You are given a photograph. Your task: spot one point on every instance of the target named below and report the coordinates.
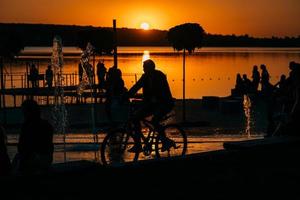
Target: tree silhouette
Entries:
(102, 40)
(184, 37)
(10, 44)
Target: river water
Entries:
(209, 71)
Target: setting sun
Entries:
(145, 26)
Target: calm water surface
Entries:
(209, 71)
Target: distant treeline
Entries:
(43, 34)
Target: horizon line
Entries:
(232, 34)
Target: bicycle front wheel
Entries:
(115, 146)
(179, 139)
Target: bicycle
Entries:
(115, 145)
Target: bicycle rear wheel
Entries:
(114, 148)
(176, 135)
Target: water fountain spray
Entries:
(247, 111)
(87, 79)
(59, 111)
(86, 75)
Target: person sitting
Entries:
(238, 89)
(157, 101)
(115, 89)
(247, 85)
(35, 146)
(101, 72)
(291, 126)
(5, 165)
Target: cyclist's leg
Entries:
(158, 114)
(141, 113)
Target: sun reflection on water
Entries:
(146, 55)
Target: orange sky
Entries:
(254, 17)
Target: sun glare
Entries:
(145, 26)
(146, 56)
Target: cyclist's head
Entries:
(148, 66)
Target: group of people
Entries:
(245, 86)
(34, 76)
(35, 146)
(281, 98)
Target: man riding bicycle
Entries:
(157, 101)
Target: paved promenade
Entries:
(255, 169)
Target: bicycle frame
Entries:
(124, 137)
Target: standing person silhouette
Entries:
(255, 78)
(265, 78)
(49, 76)
(35, 147)
(34, 73)
(101, 72)
(157, 101)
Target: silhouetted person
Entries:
(35, 147)
(34, 74)
(293, 75)
(5, 165)
(286, 95)
(49, 76)
(101, 72)
(255, 78)
(276, 103)
(247, 85)
(157, 101)
(289, 89)
(281, 84)
(239, 86)
(265, 79)
(115, 89)
(292, 126)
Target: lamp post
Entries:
(185, 37)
